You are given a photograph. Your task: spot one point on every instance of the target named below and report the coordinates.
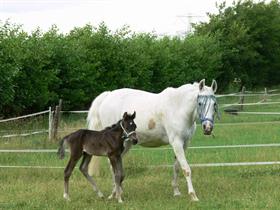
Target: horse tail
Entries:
(93, 117)
(61, 148)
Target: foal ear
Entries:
(201, 85)
(133, 115)
(125, 115)
(214, 86)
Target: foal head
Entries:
(129, 127)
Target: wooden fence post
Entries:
(265, 96)
(59, 108)
(241, 99)
(56, 120)
(50, 123)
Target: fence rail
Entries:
(148, 149)
(249, 104)
(24, 134)
(246, 94)
(24, 116)
(79, 111)
(200, 165)
(194, 165)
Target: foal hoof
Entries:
(110, 196)
(66, 197)
(120, 200)
(193, 196)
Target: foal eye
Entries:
(199, 104)
(130, 123)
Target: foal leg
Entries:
(113, 194)
(121, 177)
(84, 170)
(113, 182)
(67, 173)
(178, 148)
(116, 163)
(127, 146)
(175, 186)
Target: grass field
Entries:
(238, 187)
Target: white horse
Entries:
(165, 118)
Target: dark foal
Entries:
(108, 142)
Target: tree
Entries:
(249, 35)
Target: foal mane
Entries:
(112, 126)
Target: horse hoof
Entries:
(120, 201)
(193, 196)
(110, 196)
(177, 194)
(100, 195)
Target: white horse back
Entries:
(157, 115)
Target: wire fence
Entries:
(7, 133)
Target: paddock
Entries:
(237, 168)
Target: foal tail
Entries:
(61, 149)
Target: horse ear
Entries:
(214, 86)
(125, 115)
(201, 84)
(133, 115)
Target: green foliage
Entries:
(249, 35)
(9, 53)
(39, 68)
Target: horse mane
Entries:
(185, 87)
(189, 86)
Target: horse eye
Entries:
(199, 104)
(130, 123)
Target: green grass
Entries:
(217, 188)
(239, 187)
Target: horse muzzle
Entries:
(207, 128)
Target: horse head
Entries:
(207, 106)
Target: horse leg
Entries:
(176, 168)
(178, 148)
(84, 170)
(175, 178)
(67, 173)
(116, 163)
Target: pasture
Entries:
(148, 176)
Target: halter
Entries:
(201, 108)
(126, 135)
